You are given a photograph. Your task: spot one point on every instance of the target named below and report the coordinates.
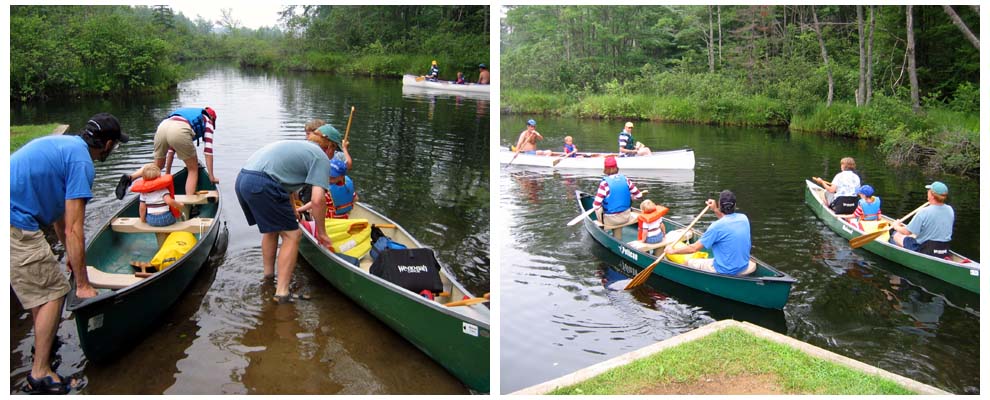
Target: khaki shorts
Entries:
(616, 219)
(35, 274)
(708, 264)
(177, 135)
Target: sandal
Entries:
(290, 298)
(125, 181)
(47, 385)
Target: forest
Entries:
(118, 50)
(905, 76)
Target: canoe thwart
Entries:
(134, 225)
(201, 197)
(106, 280)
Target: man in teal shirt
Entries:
(263, 189)
(931, 230)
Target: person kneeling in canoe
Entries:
(728, 238)
(931, 230)
(341, 197)
(844, 186)
(868, 208)
(157, 195)
(614, 198)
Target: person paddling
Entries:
(844, 186)
(931, 230)
(527, 139)
(628, 146)
(729, 239)
(434, 72)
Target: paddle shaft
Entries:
(468, 302)
(861, 241)
(347, 131)
(643, 275)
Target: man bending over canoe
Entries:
(263, 188)
(51, 179)
(931, 230)
(614, 197)
(728, 238)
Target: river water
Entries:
(420, 159)
(558, 315)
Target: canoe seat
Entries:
(201, 197)
(667, 239)
(134, 225)
(106, 280)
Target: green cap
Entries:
(329, 132)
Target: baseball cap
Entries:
(106, 126)
(866, 190)
(938, 188)
(727, 202)
(337, 168)
(610, 162)
(629, 124)
(329, 132)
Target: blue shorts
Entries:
(265, 202)
(911, 243)
(530, 152)
(163, 219)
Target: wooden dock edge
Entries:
(811, 350)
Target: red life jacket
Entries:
(162, 182)
(648, 217)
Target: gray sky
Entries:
(254, 14)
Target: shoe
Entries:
(47, 385)
(125, 182)
(290, 298)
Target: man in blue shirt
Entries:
(931, 230)
(51, 180)
(263, 189)
(728, 238)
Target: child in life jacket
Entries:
(868, 208)
(341, 197)
(651, 228)
(460, 78)
(158, 206)
(570, 150)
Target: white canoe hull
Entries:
(447, 86)
(675, 159)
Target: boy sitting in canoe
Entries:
(867, 209)
(460, 79)
(570, 150)
(651, 227)
(341, 196)
(158, 206)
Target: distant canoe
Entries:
(957, 270)
(447, 86)
(673, 159)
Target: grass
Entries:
(21, 134)
(733, 352)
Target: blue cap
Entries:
(866, 190)
(531, 122)
(938, 188)
(483, 66)
(337, 168)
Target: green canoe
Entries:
(128, 306)
(766, 287)
(958, 270)
(455, 337)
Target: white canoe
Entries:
(410, 80)
(673, 159)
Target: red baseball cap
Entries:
(610, 162)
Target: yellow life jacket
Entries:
(349, 236)
(683, 258)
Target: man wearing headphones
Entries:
(728, 238)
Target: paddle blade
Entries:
(557, 161)
(641, 277)
(861, 241)
(581, 217)
(420, 78)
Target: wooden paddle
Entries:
(420, 78)
(347, 131)
(561, 158)
(468, 302)
(643, 275)
(861, 241)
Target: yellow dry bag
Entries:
(176, 245)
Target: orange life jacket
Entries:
(648, 217)
(162, 182)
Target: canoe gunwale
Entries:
(815, 188)
(667, 160)
(409, 295)
(447, 86)
(73, 304)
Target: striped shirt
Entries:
(207, 135)
(603, 192)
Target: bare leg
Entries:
(899, 238)
(287, 260)
(269, 247)
(46, 317)
(192, 178)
